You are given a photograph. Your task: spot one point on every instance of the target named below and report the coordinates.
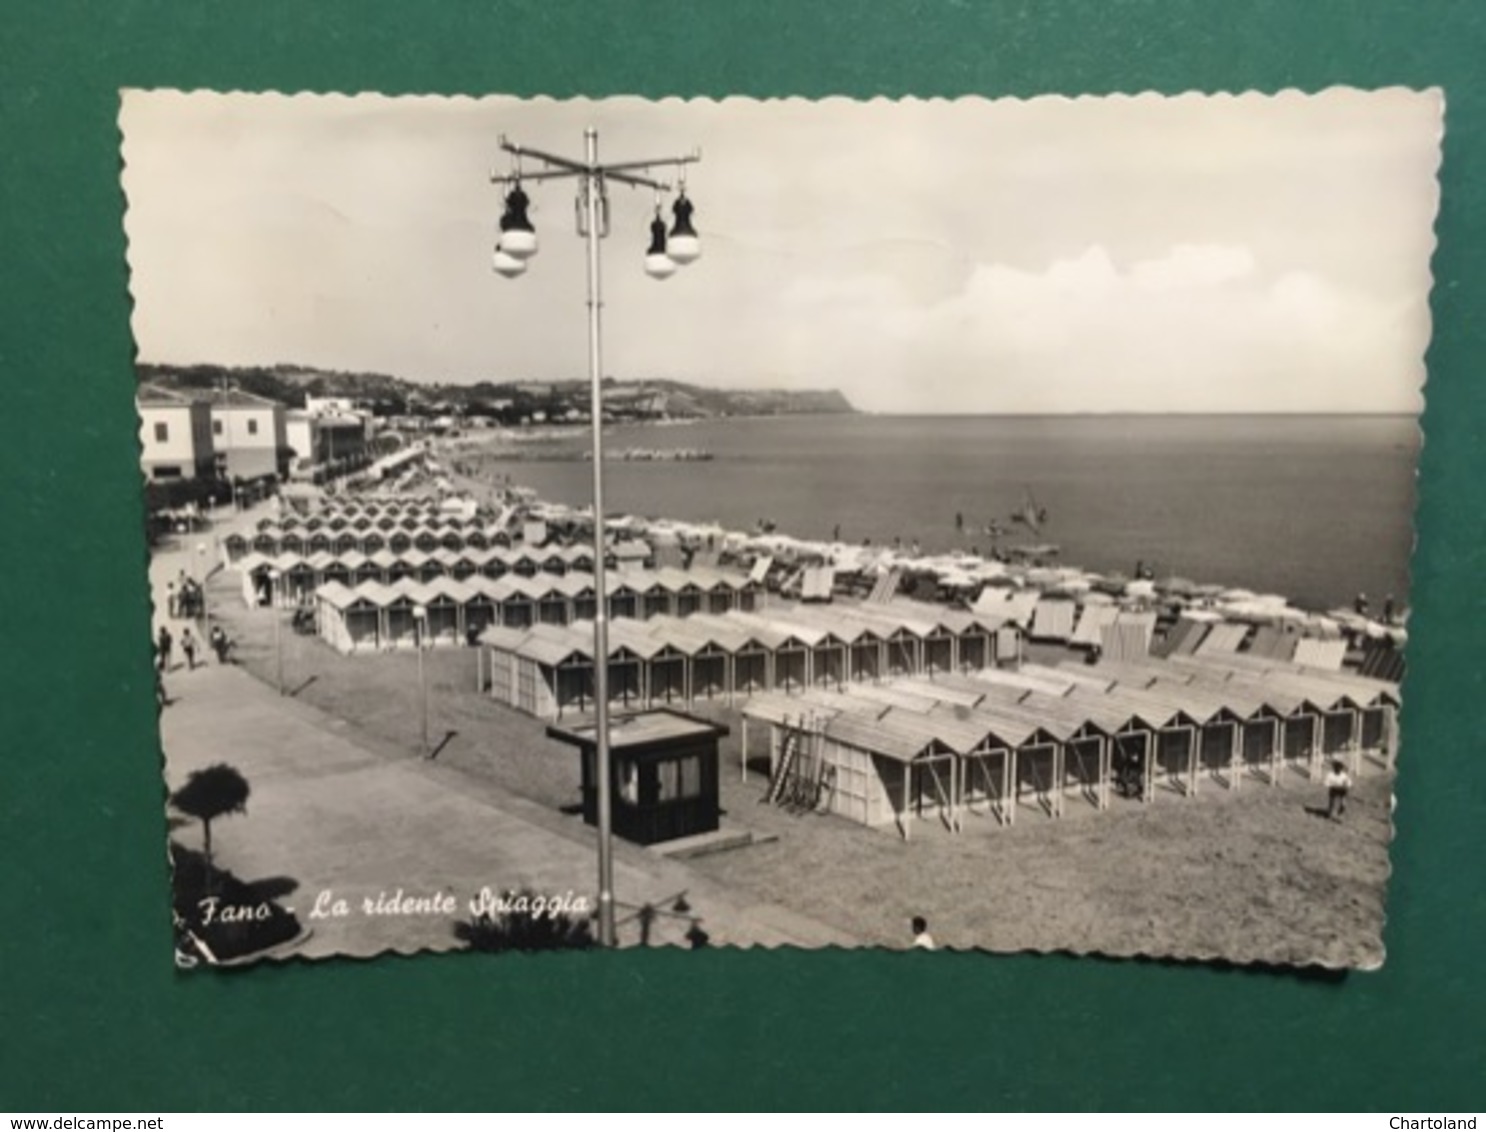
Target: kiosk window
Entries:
(680, 778)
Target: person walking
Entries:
(219, 644)
(164, 645)
(188, 646)
(1338, 786)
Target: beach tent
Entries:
(1182, 638)
(1129, 637)
(1052, 620)
(1328, 655)
(1382, 659)
(1091, 622)
(817, 584)
(1223, 637)
(1274, 642)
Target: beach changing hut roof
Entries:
(1068, 677)
(904, 739)
(959, 693)
(337, 596)
(553, 645)
(783, 710)
(891, 696)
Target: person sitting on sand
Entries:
(1338, 786)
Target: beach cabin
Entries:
(347, 620)
(493, 562)
(234, 547)
(459, 564)
(623, 599)
(585, 601)
(363, 570)
(399, 625)
(257, 584)
(553, 605)
(517, 602)
(525, 563)
(657, 595)
(480, 610)
(663, 782)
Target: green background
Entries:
(91, 1014)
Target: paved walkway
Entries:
(350, 820)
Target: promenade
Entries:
(349, 817)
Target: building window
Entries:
(252, 427)
(168, 472)
(162, 432)
(216, 428)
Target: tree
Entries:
(213, 792)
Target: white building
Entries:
(326, 438)
(250, 435)
(175, 435)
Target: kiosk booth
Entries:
(663, 774)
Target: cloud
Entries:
(1199, 329)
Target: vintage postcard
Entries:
(996, 533)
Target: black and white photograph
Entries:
(971, 525)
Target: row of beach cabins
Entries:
(547, 670)
(293, 579)
(998, 743)
(484, 545)
(893, 710)
(375, 615)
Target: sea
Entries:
(1317, 508)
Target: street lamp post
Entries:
(517, 244)
(278, 625)
(420, 629)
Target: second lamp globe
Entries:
(683, 245)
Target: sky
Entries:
(1126, 254)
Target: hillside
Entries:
(507, 401)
